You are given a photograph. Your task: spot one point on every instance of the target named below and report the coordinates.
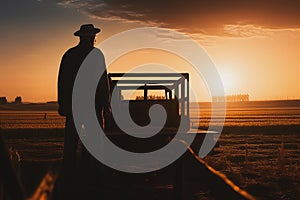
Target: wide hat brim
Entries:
(93, 31)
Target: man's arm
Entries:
(60, 86)
(103, 90)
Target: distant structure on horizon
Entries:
(51, 102)
(231, 98)
(18, 100)
(3, 100)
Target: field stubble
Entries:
(267, 166)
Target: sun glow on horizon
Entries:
(229, 80)
(251, 58)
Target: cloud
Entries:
(231, 17)
(248, 30)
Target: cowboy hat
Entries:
(86, 30)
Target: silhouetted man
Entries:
(70, 64)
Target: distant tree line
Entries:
(151, 97)
(18, 100)
(231, 98)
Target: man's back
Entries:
(69, 67)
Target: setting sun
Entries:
(229, 82)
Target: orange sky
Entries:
(259, 59)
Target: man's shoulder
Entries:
(98, 51)
(67, 53)
(71, 50)
(81, 50)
